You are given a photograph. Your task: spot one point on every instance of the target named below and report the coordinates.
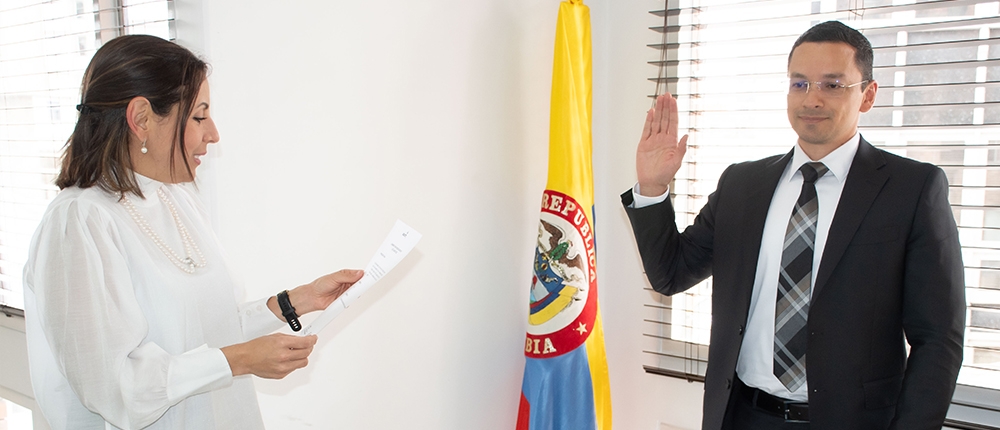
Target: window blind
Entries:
(938, 68)
(45, 45)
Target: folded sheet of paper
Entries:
(397, 245)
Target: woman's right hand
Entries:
(273, 356)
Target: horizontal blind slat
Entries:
(42, 57)
(936, 95)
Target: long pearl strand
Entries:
(187, 264)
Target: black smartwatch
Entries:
(288, 311)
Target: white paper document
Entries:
(396, 246)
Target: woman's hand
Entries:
(273, 356)
(318, 294)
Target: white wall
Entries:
(338, 117)
(621, 33)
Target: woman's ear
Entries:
(138, 114)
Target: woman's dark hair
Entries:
(836, 31)
(167, 74)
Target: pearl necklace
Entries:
(187, 264)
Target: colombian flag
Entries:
(565, 383)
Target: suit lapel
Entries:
(864, 182)
(761, 191)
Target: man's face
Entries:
(825, 120)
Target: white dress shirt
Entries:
(756, 361)
(120, 337)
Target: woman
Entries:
(133, 318)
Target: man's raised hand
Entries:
(660, 152)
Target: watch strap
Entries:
(288, 311)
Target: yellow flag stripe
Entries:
(570, 157)
(570, 169)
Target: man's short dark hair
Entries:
(836, 31)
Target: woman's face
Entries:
(199, 133)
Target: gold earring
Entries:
(143, 149)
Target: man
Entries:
(836, 252)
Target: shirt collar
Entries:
(838, 162)
(148, 186)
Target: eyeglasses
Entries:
(826, 88)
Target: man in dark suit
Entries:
(836, 251)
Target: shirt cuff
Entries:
(198, 371)
(640, 201)
(258, 320)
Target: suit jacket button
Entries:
(729, 384)
(741, 330)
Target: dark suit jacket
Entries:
(892, 267)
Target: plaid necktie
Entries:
(795, 283)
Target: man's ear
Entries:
(139, 114)
(868, 97)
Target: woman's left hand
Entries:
(318, 294)
(325, 289)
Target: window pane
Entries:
(44, 47)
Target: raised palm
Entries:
(660, 152)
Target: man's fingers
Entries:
(647, 127)
(658, 115)
(671, 126)
(664, 107)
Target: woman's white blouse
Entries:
(120, 337)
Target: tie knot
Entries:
(813, 171)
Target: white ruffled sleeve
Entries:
(96, 330)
